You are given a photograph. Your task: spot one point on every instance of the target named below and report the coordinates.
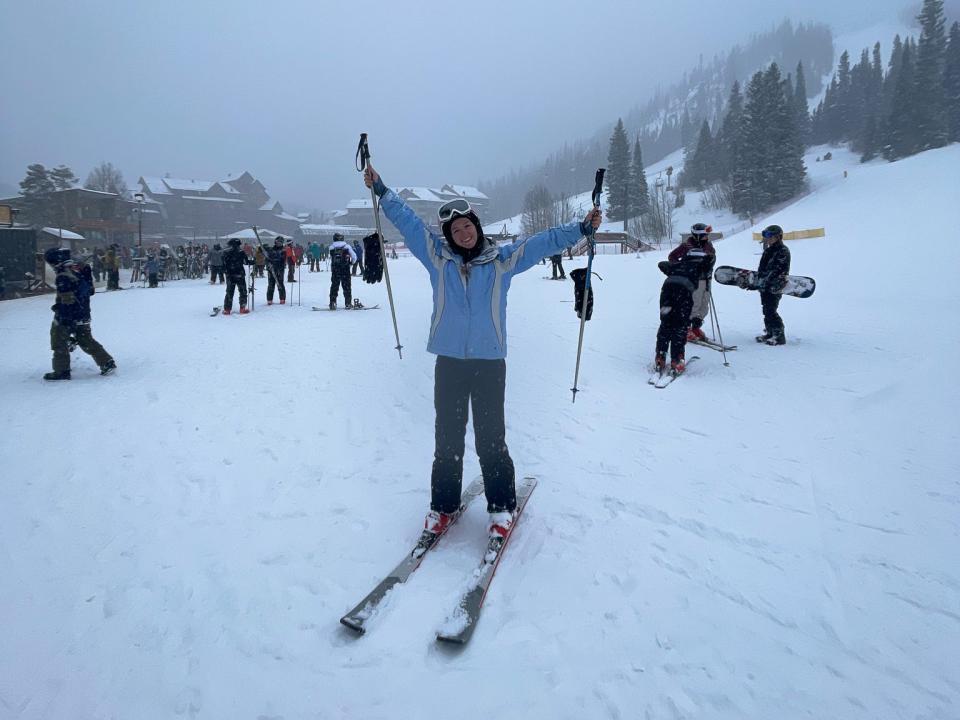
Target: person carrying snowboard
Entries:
(771, 277)
(676, 303)
(342, 258)
(234, 262)
(277, 257)
(71, 316)
(698, 243)
(470, 277)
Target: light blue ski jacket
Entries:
(470, 300)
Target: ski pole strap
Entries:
(598, 187)
(363, 153)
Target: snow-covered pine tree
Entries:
(618, 174)
(951, 84)
(638, 183)
(801, 108)
(729, 132)
(901, 128)
(930, 112)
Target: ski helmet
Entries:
(700, 232)
(56, 256)
(772, 231)
(337, 237)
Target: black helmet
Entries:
(337, 237)
(772, 231)
(234, 242)
(56, 256)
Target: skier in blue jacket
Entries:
(470, 276)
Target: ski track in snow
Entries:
(776, 538)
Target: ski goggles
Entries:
(452, 209)
(771, 233)
(701, 229)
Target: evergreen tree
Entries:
(783, 138)
(844, 103)
(930, 113)
(638, 183)
(729, 133)
(750, 183)
(801, 108)
(618, 174)
(63, 177)
(901, 131)
(36, 188)
(951, 84)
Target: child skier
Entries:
(342, 258)
(698, 242)
(676, 303)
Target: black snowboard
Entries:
(796, 285)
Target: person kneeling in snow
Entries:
(471, 277)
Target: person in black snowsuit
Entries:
(234, 262)
(277, 258)
(771, 276)
(342, 257)
(556, 265)
(676, 303)
(71, 316)
(215, 259)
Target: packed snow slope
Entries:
(773, 539)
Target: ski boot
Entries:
(777, 338)
(357, 305)
(283, 301)
(108, 367)
(244, 311)
(677, 366)
(660, 362)
(269, 302)
(695, 334)
(226, 311)
(333, 305)
(54, 375)
(500, 524)
(436, 523)
(767, 334)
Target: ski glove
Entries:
(586, 228)
(379, 188)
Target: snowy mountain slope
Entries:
(776, 538)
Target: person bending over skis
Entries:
(471, 277)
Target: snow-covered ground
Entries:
(773, 539)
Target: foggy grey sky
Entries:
(448, 91)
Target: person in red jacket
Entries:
(698, 243)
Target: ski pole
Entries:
(363, 159)
(713, 313)
(591, 248)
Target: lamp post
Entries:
(139, 264)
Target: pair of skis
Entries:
(661, 378)
(460, 624)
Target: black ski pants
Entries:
(340, 277)
(676, 303)
(216, 271)
(556, 266)
(60, 337)
(772, 321)
(275, 282)
(481, 383)
(238, 282)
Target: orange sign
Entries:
(6, 215)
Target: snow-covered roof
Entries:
(212, 199)
(248, 234)
(286, 216)
(419, 193)
(227, 187)
(270, 204)
(155, 185)
(188, 185)
(65, 234)
(310, 229)
(466, 191)
(362, 204)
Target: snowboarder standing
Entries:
(234, 260)
(771, 277)
(71, 316)
(342, 257)
(277, 257)
(470, 277)
(676, 303)
(698, 243)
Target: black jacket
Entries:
(774, 267)
(233, 261)
(74, 288)
(691, 267)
